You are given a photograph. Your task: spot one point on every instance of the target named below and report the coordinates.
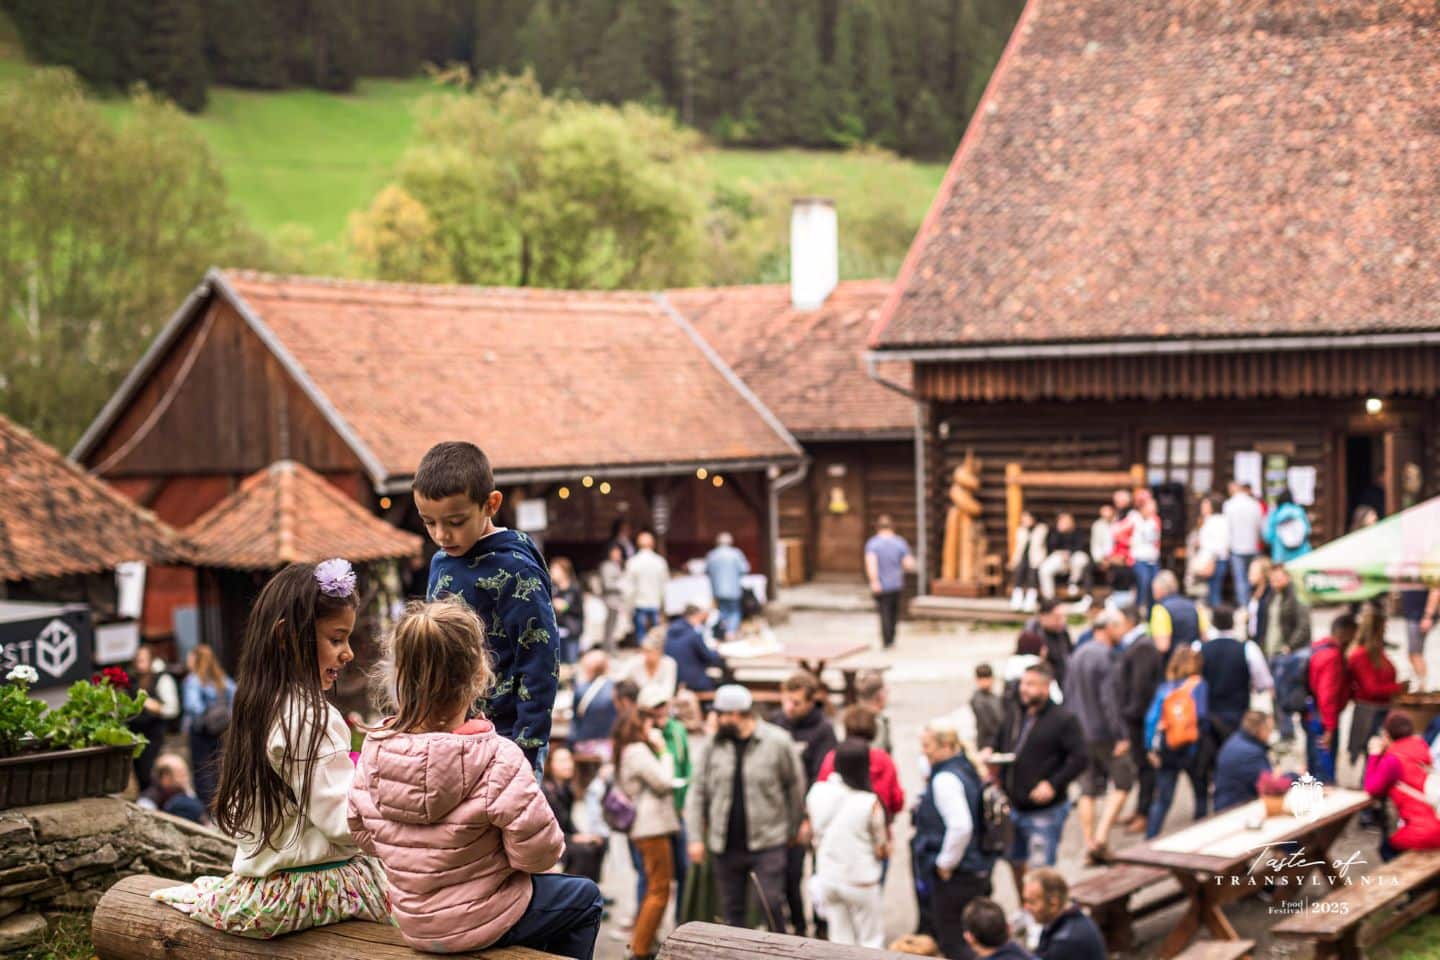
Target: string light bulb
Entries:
(563, 493)
(605, 487)
(701, 474)
(718, 480)
(587, 482)
(384, 503)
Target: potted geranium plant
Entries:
(1272, 788)
(82, 748)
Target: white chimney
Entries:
(814, 252)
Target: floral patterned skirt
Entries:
(286, 901)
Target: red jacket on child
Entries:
(1328, 684)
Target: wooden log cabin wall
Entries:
(873, 478)
(1104, 413)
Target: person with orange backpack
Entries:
(1174, 726)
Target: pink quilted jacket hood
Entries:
(459, 823)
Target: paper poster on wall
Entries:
(532, 516)
(1301, 481)
(1249, 469)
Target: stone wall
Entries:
(61, 857)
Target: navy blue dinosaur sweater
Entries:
(504, 579)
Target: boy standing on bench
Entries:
(501, 575)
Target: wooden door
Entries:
(1404, 469)
(839, 499)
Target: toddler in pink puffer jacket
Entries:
(453, 810)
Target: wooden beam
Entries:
(711, 941)
(128, 925)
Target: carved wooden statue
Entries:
(964, 536)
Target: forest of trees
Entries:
(904, 74)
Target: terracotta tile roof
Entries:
(56, 520)
(808, 366)
(1186, 168)
(287, 513)
(538, 378)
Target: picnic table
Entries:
(1226, 857)
(810, 655)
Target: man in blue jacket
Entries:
(685, 644)
(1242, 759)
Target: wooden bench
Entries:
(711, 941)
(128, 925)
(1106, 897)
(1216, 950)
(1365, 914)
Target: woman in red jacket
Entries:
(1372, 680)
(1397, 766)
(859, 723)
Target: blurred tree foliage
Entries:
(104, 229)
(902, 74)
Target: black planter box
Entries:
(63, 775)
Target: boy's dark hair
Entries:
(1399, 725)
(983, 672)
(1049, 604)
(984, 919)
(452, 467)
(1344, 623)
(1223, 617)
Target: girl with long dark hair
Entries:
(851, 845)
(286, 771)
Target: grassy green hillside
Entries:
(309, 158)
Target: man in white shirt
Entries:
(1246, 519)
(648, 573)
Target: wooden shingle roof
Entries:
(57, 520)
(808, 366)
(1189, 169)
(287, 513)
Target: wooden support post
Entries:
(1014, 506)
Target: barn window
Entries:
(1181, 458)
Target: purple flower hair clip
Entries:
(336, 578)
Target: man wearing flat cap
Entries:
(746, 805)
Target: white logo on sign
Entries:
(55, 648)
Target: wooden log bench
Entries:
(711, 941)
(1354, 917)
(128, 925)
(1106, 897)
(1217, 950)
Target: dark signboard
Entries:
(55, 640)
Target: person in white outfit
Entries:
(648, 574)
(1246, 519)
(851, 845)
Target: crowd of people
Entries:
(1126, 548)
(733, 803)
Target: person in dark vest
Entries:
(1066, 933)
(1175, 621)
(1227, 675)
(945, 850)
